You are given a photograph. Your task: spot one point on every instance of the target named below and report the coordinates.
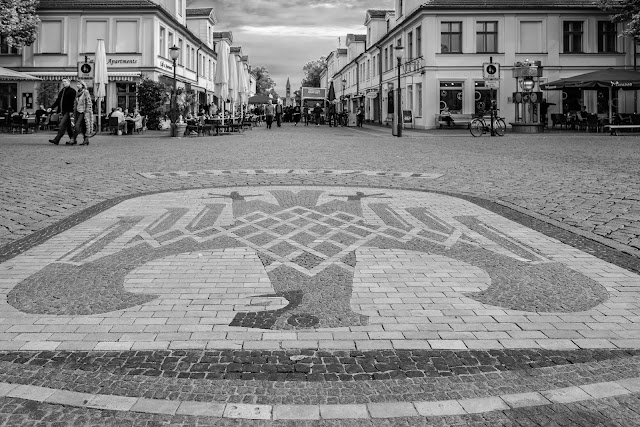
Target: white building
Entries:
(446, 43)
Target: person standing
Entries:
(360, 115)
(317, 112)
(82, 113)
(296, 115)
(332, 115)
(279, 114)
(64, 103)
(305, 112)
(268, 112)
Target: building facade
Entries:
(445, 44)
(137, 34)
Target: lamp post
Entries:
(399, 52)
(174, 52)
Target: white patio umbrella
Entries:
(233, 80)
(222, 74)
(100, 78)
(242, 83)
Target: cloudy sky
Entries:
(283, 35)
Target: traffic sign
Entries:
(492, 84)
(85, 70)
(491, 71)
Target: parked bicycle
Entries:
(479, 126)
(343, 118)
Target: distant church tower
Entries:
(288, 101)
(288, 88)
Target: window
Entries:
(180, 45)
(180, 5)
(572, 37)
(418, 42)
(170, 43)
(369, 36)
(386, 60)
(531, 37)
(409, 102)
(486, 37)
(163, 46)
(410, 46)
(188, 52)
(95, 30)
(6, 49)
(451, 37)
(193, 58)
(400, 7)
(451, 96)
(418, 99)
(126, 36)
(53, 42)
(482, 97)
(126, 93)
(607, 36)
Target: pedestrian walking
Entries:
(317, 112)
(64, 103)
(82, 114)
(269, 112)
(279, 114)
(360, 115)
(305, 112)
(296, 115)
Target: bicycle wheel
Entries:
(499, 126)
(476, 127)
(344, 120)
(94, 130)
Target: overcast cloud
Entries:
(284, 35)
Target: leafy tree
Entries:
(273, 93)
(152, 97)
(627, 11)
(18, 22)
(312, 71)
(297, 96)
(47, 93)
(264, 82)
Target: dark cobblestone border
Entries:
(597, 249)
(309, 365)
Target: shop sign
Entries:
(122, 61)
(407, 116)
(166, 66)
(314, 92)
(372, 95)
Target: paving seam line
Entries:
(378, 410)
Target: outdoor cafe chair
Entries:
(17, 124)
(558, 120)
(54, 121)
(113, 125)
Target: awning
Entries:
(55, 75)
(124, 76)
(12, 75)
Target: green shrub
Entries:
(152, 97)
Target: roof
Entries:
(101, 4)
(222, 35)
(205, 11)
(508, 4)
(378, 13)
(360, 38)
(342, 51)
(235, 49)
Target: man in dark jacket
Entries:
(279, 114)
(64, 103)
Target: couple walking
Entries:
(79, 104)
(270, 111)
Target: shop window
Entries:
(572, 37)
(53, 42)
(486, 37)
(126, 36)
(95, 30)
(531, 37)
(607, 36)
(451, 96)
(571, 100)
(163, 42)
(482, 98)
(391, 96)
(419, 42)
(603, 101)
(127, 97)
(8, 96)
(409, 101)
(418, 99)
(451, 37)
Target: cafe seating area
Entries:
(590, 122)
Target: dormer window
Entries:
(400, 5)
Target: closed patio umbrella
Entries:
(331, 96)
(100, 78)
(233, 81)
(222, 74)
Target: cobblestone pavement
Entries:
(320, 276)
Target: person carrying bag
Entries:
(83, 114)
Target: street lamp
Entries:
(399, 51)
(344, 86)
(174, 52)
(527, 84)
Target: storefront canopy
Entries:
(609, 78)
(7, 74)
(259, 99)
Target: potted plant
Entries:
(184, 101)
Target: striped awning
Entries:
(114, 76)
(12, 75)
(124, 76)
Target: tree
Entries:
(297, 96)
(627, 11)
(312, 71)
(273, 93)
(264, 82)
(18, 22)
(47, 93)
(152, 97)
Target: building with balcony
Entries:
(446, 43)
(137, 35)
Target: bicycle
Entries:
(478, 126)
(343, 118)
